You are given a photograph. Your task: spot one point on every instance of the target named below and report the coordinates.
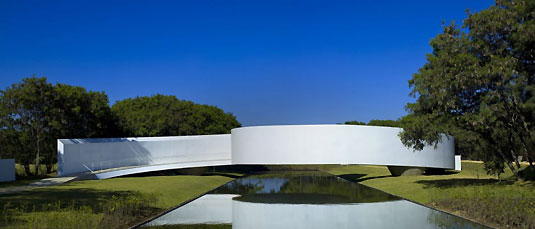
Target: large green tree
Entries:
(166, 115)
(478, 85)
(35, 113)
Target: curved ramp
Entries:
(122, 171)
(292, 144)
(111, 157)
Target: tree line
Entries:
(376, 122)
(478, 85)
(35, 113)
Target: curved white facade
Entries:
(334, 144)
(292, 144)
(142, 154)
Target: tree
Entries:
(478, 85)
(355, 123)
(388, 123)
(26, 107)
(35, 113)
(78, 113)
(376, 122)
(162, 115)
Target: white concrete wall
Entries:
(105, 153)
(7, 170)
(458, 162)
(334, 144)
(298, 144)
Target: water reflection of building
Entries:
(224, 209)
(306, 200)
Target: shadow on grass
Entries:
(74, 208)
(39, 199)
(458, 182)
(233, 176)
(357, 177)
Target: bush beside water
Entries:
(503, 205)
(117, 212)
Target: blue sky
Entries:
(267, 62)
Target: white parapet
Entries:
(88, 155)
(7, 170)
(458, 162)
(334, 144)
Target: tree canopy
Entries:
(166, 115)
(354, 123)
(388, 123)
(478, 85)
(377, 122)
(35, 113)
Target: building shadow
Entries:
(233, 176)
(359, 177)
(130, 153)
(457, 182)
(432, 172)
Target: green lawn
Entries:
(470, 193)
(102, 203)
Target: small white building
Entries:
(7, 170)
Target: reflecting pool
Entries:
(303, 200)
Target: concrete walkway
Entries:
(42, 183)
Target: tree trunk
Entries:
(49, 168)
(37, 159)
(531, 167)
(502, 155)
(509, 164)
(27, 169)
(516, 159)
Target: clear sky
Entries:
(267, 62)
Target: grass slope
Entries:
(470, 193)
(111, 203)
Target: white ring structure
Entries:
(334, 144)
(268, 145)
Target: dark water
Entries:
(303, 200)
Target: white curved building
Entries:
(267, 145)
(334, 144)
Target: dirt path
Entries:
(42, 183)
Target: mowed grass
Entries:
(112, 203)
(170, 190)
(470, 193)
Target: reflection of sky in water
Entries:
(269, 185)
